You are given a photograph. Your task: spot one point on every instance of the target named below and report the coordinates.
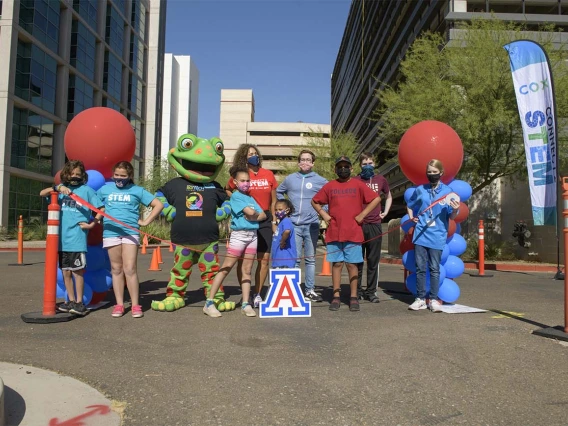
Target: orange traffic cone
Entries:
(326, 268)
(144, 245)
(159, 249)
(145, 240)
(171, 250)
(154, 264)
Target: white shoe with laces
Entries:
(418, 305)
(257, 300)
(435, 306)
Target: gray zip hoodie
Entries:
(300, 189)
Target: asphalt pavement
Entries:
(384, 365)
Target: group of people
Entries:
(275, 224)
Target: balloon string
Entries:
(168, 242)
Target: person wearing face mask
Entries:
(74, 225)
(300, 188)
(245, 217)
(430, 233)
(263, 189)
(345, 198)
(122, 201)
(372, 230)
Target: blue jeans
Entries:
(427, 258)
(307, 237)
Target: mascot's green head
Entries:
(197, 159)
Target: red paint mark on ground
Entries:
(77, 420)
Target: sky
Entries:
(284, 50)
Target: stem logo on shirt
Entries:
(260, 183)
(194, 204)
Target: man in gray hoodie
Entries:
(300, 188)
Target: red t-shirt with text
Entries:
(345, 200)
(261, 186)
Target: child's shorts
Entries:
(72, 260)
(242, 242)
(116, 241)
(347, 252)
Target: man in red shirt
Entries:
(372, 230)
(345, 198)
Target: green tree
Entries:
(326, 152)
(467, 84)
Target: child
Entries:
(246, 214)
(74, 226)
(345, 198)
(122, 201)
(284, 252)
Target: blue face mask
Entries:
(121, 183)
(254, 160)
(367, 171)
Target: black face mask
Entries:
(433, 178)
(343, 172)
(75, 181)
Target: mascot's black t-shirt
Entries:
(196, 207)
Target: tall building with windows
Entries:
(60, 57)
(180, 100)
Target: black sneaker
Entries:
(78, 309)
(64, 307)
(335, 304)
(354, 304)
(313, 296)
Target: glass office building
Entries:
(376, 38)
(58, 59)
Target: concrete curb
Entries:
(2, 417)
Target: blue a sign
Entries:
(285, 298)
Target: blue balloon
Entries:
(408, 194)
(449, 291)
(96, 280)
(454, 267)
(462, 188)
(61, 293)
(458, 228)
(445, 254)
(96, 179)
(108, 278)
(95, 258)
(107, 260)
(457, 245)
(406, 223)
(409, 260)
(87, 295)
(442, 274)
(60, 281)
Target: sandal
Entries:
(354, 304)
(335, 304)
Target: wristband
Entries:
(274, 223)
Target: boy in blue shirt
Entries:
(245, 215)
(284, 252)
(75, 222)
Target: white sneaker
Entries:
(248, 311)
(257, 300)
(418, 304)
(435, 306)
(212, 311)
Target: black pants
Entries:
(371, 249)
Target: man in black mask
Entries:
(345, 198)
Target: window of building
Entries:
(81, 95)
(83, 47)
(138, 131)
(112, 77)
(41, 19)
(114, 34)
(137, 55)
(32, 141)
(121, 6)
(110, 104)
(87, 9)
(36, 76)
(138, 18)
(24, 200)
(135, 95)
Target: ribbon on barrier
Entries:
(78, 199)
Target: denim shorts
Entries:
(242, 242)
(347, 252)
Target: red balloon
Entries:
(57, 178)
(95, 235)
(97, 297)
(425, 141)
(100, 137)
(452, 226)
(462, 214)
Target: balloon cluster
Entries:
(423, 142)
(99, 137)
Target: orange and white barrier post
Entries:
(481, 253)
(20, 241)
(51, 251)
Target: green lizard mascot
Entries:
(194, 203)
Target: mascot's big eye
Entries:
(186, 143)
(219, 147)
